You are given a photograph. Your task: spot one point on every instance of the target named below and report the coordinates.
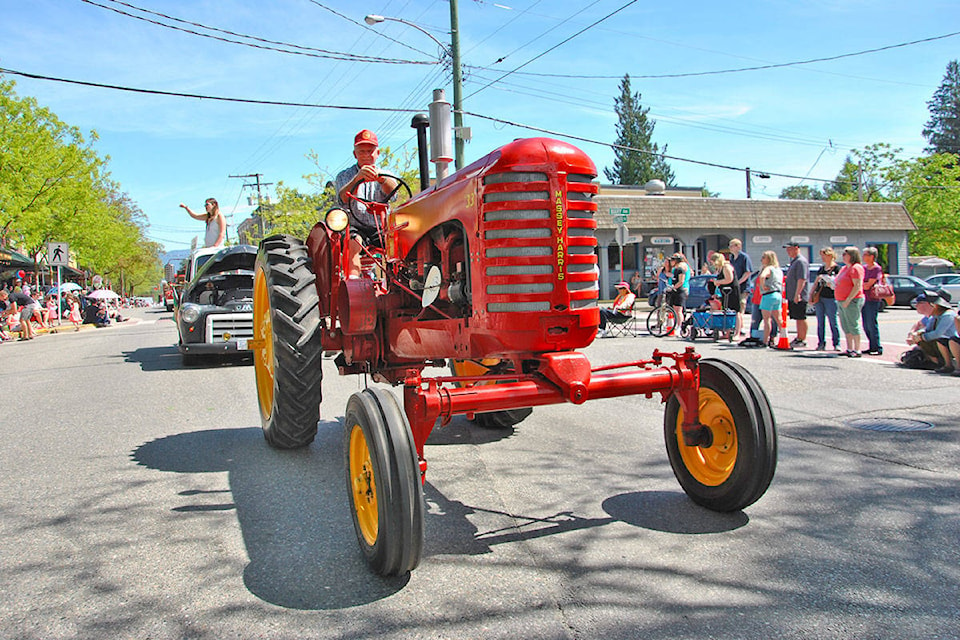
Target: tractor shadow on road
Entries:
(670, 512)
(168, 358)
(291, 507)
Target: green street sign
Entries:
(620, 215)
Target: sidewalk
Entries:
(68, 327)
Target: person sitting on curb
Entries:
(935, 335)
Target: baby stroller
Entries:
(709, 320)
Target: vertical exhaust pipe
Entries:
(420, 122)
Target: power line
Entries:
(360, 24)
(556, 26)
(703, 163)
(740, 69)
(389, 109)
(556, 46)
(300, 50)
(198, 96)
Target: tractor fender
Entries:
(357, 303)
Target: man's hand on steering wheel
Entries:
(377, 178)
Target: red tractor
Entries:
(494, 271)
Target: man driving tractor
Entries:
(367, 182)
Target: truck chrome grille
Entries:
(229, 327)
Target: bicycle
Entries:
(662, 319)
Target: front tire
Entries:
(736, 469)
(287, 325)
(383, 482)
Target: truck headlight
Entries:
(190, 313)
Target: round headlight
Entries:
(189, 313)
(337, 219)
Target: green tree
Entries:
(942, 130)
(643, 160)
(929, 190)
(802, 192)
(870, 174)
(54, 186)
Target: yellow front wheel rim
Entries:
(711, 465)
(263, 332)
(363, 485)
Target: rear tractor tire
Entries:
(287, 324)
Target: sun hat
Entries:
(622, 285)
(933, 298)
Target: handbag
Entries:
(881, 289)
(815, 295)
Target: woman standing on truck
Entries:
(216, 223)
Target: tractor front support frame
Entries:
(560, 377)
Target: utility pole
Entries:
(860, 181)
(458, 131)
(259, 185)
(748, 183)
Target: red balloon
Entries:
(21, 273)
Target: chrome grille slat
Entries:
(521, 270)
(529, 232)
(516, 214)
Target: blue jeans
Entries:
(826, 310)
(870, 325)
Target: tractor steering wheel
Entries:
(400, 183)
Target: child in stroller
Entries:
(710, 319)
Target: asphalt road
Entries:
(138, 500)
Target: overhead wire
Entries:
(554, 47)
(545, 33)
(363, 26)
(567, 98)
(779, 65)
(395, 109)
(297, 49)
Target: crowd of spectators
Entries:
(27, 312)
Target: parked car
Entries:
(949, 282)
(906, 288)
(215, 314)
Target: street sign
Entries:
(58, 254)
(620, 215)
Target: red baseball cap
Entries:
(365, 137)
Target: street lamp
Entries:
(454, 52)
(373, 19)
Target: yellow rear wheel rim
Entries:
(363, 486)
(711, 465)
(263, 332)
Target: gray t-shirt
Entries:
(799, 268)
(371, 191)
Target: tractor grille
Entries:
(529, 267)
(229, 327)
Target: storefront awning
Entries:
(10, 259)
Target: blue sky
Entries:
(798, 120)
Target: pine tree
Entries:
(942, 130)
(635, 130)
